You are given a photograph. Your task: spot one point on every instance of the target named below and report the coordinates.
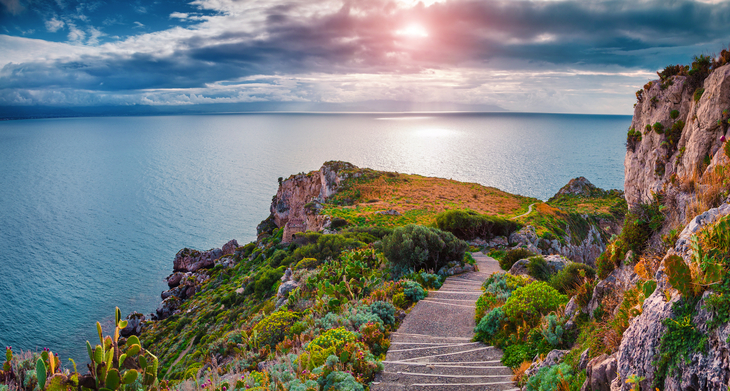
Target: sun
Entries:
(413, 30)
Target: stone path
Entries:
(432, 349)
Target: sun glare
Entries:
(413, 30)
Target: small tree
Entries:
(418, 247)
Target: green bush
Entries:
(531, 302)
(550, 378)
(658, 128)
(514, 355)
(674, 114)
(698, 94)
(489, 325)
(413, 291)
(513, 256)
(385, 311)
(469, 224)
(267, 280)
(341, 381)
(417, 247)
(272, 329)
(427, 280)
(571, 276)
(538, 268)
(400, 301)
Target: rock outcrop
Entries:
(300, 197)
(656, 164)
(189, 273)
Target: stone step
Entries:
(458, 354)
(492, 367)
(406, 350)
(485, 386)
(404, 377)
(399, 338)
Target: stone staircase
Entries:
(432, 350)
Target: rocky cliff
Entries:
(675, 142)
(300, 197)
(677, 157)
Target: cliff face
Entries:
(673, 156)
(299, 197)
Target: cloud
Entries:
(13, 6)
(543, 54)
(53, 24)
(138, 25)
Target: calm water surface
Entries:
(93, 210)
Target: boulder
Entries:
(189, 260)
(168, 307)
(134, 325)
(173, 280)
(618, 282)
(525, 237)
(230, 247)
(601, 371)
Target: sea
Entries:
(93, 210)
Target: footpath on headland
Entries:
(432, 349)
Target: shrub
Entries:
(490, 324)
(413, 291)
(513, 256)
(698, 94)
(530, 302)
(341, 381)
(374, 338)
(658, 128)
(418, 247)
(267, 280)
(501, 285)
(556, 377)
(385, 311)
(674, 114)
(272, 329)
(572, 275)
(727, 149)
(514, 355)
(633, 138)
(427, 280)
(538, 268)
(400, 301)
(469, 224)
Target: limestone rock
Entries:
(230, 247)
(682, 246)
(556, 263)
(579, 186)
(583, 363)
(299, 195)
(525, 237)
(173, 280)
(168, 307)
(389, 212)
(601, 372)
(651, 167)
(134, 325)
(618, 282)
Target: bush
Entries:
(417, 247)
(413, 291)
(674, 114)
(469, 224)
(556, 377)
(341, 381)
(385, 311)
(658, 128)
(272, 329)
(571, 276)
(698, 94)
(531, 302)
(489, 325)
(267, 280)
(538, 268)
(513, 256)
(514, 355)
(427, 280)
(400, 301)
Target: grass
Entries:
(417, 199)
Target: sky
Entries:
(354, 55)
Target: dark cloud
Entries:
(362, 37)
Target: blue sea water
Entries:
(93, 210)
